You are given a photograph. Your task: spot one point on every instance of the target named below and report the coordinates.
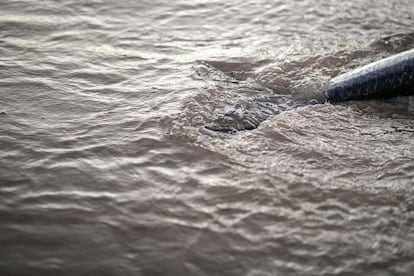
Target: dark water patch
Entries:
(89, 76)
(26, 29)
(395, 43)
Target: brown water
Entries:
(105, 168)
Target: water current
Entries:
(106, 168)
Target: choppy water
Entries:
(105, 168)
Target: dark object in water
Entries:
(248, 114)
(389, 77)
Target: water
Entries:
(106, 168)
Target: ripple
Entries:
(105, 168)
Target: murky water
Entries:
(106, 169)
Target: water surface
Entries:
(106, 169)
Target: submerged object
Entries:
(386, 78)
(389, 77)
(248, 114)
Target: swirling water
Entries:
(105, 168)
